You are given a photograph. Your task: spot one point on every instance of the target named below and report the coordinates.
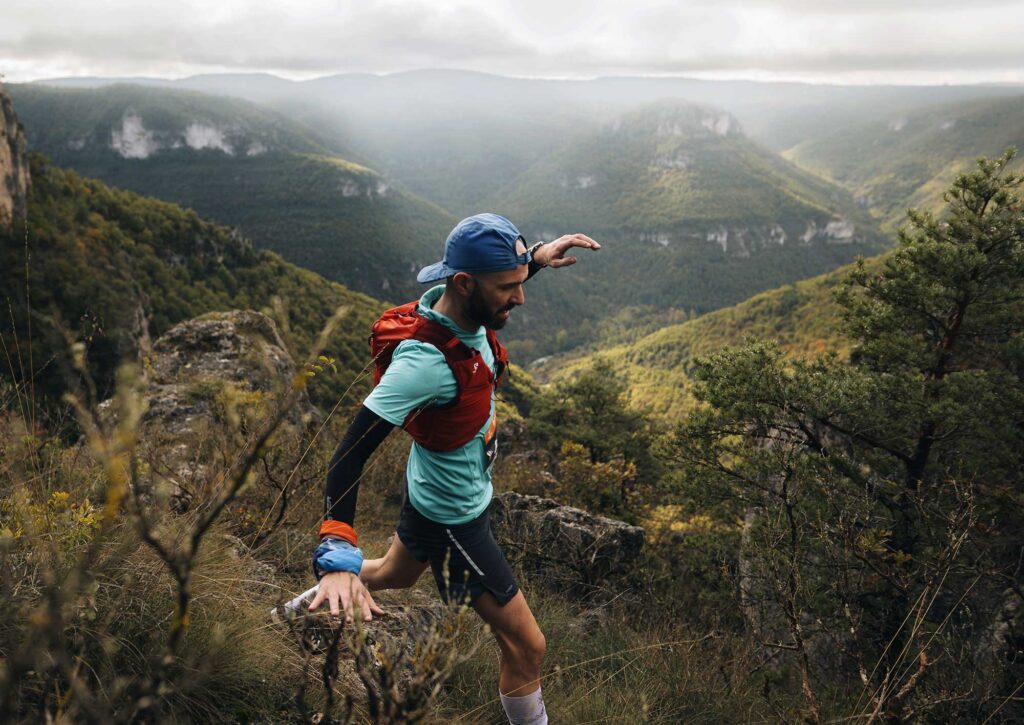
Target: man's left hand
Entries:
(552, 254)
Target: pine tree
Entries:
(877, 491)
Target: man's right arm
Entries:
(415, 377)
(340, 585)
(364, 434)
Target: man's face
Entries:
(496, 293)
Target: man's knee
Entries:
(537, 648)
(527, 649)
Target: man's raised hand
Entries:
(552, 254)
(345, 592)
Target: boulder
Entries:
(205, 377)
(1004, 641)
(567, 549)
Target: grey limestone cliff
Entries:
(14, 177)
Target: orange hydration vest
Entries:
(451, 425)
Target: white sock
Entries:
(525, 710)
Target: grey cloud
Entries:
(880, 8)
(649, 38)
(388, 36)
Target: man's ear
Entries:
(463, 283)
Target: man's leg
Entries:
(397, 569)
(522, 652)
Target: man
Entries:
(435, 388)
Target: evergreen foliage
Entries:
(603, 442)
(881, 497)
(115, 266)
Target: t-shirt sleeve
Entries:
(417, 377)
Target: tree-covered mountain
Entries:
(677, 169)
(803, 317)
(693, 216)
(274, 179)
(119, 269)
(455, 136)
(909, 159)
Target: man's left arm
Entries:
(552, 254)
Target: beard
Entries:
(481, 313)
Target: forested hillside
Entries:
(693, 216)
(118, 269)
(236, 163)
(677, 169)
(657, 368)
(910, 158)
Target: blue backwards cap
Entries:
(480, 243)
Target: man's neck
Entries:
(452, 310)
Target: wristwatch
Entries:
(534, 266)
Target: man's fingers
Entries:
(562, 262)
(333, 596)
(563, 244)
(321, 594)
(370, 607)
(582, 240)
(346, 601)
(360, 608)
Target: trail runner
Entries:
(438, 383)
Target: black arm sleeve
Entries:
(365, 433)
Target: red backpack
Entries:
(449, 426)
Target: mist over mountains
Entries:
(359, 178)
(284, 186)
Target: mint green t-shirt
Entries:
(450, 487)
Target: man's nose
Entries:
(518, 297)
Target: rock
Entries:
(1004, 641)
(566, 548)
(401, 657)
(215, 372)
(14, 176)
(241, 346)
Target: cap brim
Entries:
(434, 272)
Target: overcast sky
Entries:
(856, 41)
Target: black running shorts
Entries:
(475, 561)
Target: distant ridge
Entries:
(779, 114)
(909, 159)
(286, 186)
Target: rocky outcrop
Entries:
(214, 373)
(14, 178)
(238, 346)
(746, 241)
(1004, 641)
(566, 548)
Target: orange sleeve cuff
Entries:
(341, 529)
